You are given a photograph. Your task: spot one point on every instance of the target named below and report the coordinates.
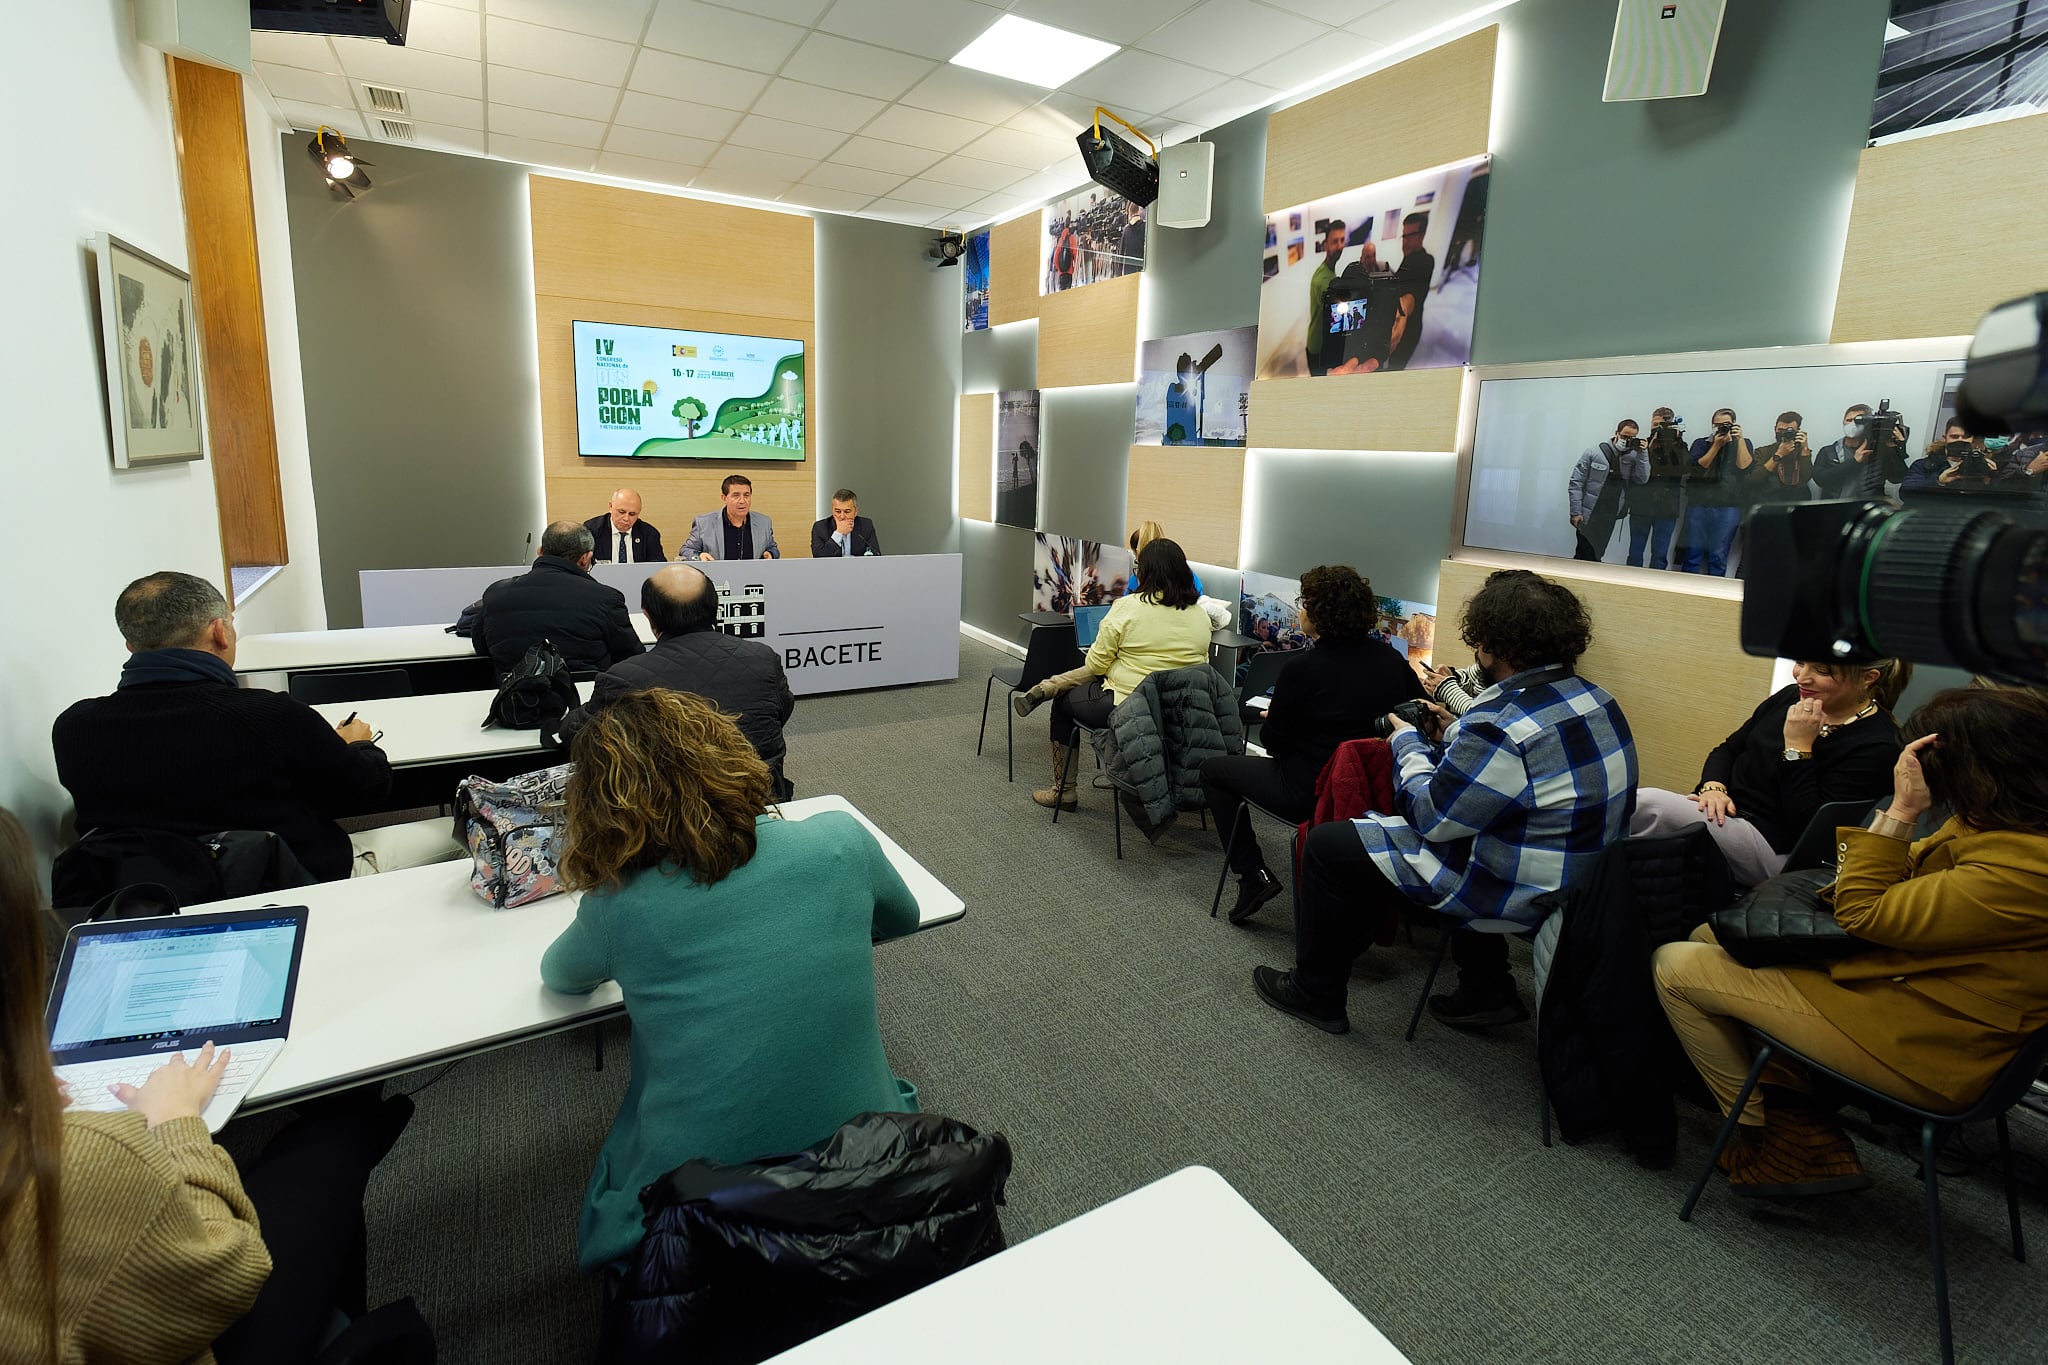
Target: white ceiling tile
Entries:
(674, 116)
(854, 179)
(1142, 79)
(1232, 36)
(1312, 61)
(310, 117)
(902, 211)
(696, 30)
(979, 175)
(831, 201)
(998, 206)
(845, 65)
(620, 20)
(1050, 120)
(444, 29)
(306, 87)
(1026, 150)
(471, 5)
(534, 152)
(874, 155)
(742, 183)
(791, 139)
(509, 85)
(408, 70)
(1330, 11)
(801, 12)
(307, 50)
(930, 28)
(451, 110)
(646, 168)
(1053, 184)
(924, 128)
(1395, 20)
(922, 191)
(665, 73)
(643, 144)
(972, 94)
(1224, 103)
(1080, 113)
(814, 104)
(446, 137)
(556, 51)
(532, 123)
(752, 161)
(1126, 21)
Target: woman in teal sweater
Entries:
(742, 943)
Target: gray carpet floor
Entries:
(1092, 1011)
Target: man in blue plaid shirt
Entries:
(1516, 798)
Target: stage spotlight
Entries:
(339, 167)
(947, 248)
(1116, 165)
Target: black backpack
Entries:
(536, 694)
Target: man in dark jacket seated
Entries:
(180, 747)
(742, 678)
(556, 600)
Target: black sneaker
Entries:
(1277, 989)
(1463, 1009)
(1253, 892)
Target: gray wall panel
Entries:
(1207, 279)
(995, 578)
(1087, 460)
(1388, 516)
(998, 358)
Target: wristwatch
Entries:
(1796, 755)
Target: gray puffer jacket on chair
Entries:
(1160, 736)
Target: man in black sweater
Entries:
(742, 678)
(556, 600)
(181, 747)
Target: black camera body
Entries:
(1414, 712)
(1884, 426)
(1723, 428)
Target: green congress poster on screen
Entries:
(657, 392)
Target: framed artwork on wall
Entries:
(147, 334)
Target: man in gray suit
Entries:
(736, 532)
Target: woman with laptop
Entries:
(743, 944)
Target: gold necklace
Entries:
(1869, 708)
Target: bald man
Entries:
(622, 538)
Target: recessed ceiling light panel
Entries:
(1036, 54)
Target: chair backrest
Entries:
(1049, 651)
(2013, 1080)
(1816, 846)
(1263, 671)
(364, 685)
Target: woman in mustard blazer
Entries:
(1958, 978)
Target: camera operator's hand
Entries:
(1802, 724)
(1715, 803)
(2039, 464)
(1438, 721)
(1910, 797)
(1578, 520)
(1799, 443)
(1951, 475)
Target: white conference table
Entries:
(410, 969)
(300, 651)
(440, 727)
(1181, 1270)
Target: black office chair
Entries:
(1816, 846)
(1260, 675)
(1245, 809)
(364, 685)
(1050, 650)
(2006, 1089)
(1116, 805)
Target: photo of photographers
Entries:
(1387, 280)
(1091, 235)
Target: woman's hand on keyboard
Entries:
(178, 1089)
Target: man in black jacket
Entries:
(846, 533)
(622, 537)
(742, 678)
(181, 747)
(556, 600)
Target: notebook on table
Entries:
(130, 993)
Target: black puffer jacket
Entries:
(744, 1261)
(554, 600)
(1160, 736)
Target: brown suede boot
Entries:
(1796, 1153)
(1061, 792)
(1029, 700)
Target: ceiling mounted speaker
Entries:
(1186, 172)
(1663, 49)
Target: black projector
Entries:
(342, 18)
(1116, 165)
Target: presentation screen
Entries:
(654, 392)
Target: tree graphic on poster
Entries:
(690, 411)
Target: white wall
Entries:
(97, 154)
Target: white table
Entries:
(1180, 1270)
(409, 969)
(301, 651)
(441, 727)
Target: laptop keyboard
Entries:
(89, 1080)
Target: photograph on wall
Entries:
(1659, 470)
(1410, 627)
(1195, 389)
(1269, 610)
(1092, 234)
(1068, 573)
(1355, 300)
(147, 332)
(1017, 458)
(664, 393)
(1951, 64)
(974, 280)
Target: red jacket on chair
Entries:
(1359, 778)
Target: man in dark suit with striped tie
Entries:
(621, 536)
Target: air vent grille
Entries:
(385, 100)
(393, 130)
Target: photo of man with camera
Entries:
(1715, 494)
(1869, 457)
(1783, 471)
(1602, 483)
(1654, 505)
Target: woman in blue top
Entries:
(742, 944)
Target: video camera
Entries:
(1960, 582)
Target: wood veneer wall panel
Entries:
(1891, 287)
(227, 296)
(1401, 410)
(1433, 108)
(1195, 492)
(1643, 638)
(1014, 262)
(601, 253)
(1089, 335)
(977, 456)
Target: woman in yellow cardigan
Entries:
(1957, 979)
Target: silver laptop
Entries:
(129, 993)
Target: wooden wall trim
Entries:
(1195, 492)
(977, 479)
(1401, 410)
(227, 298)
(1013, 269)
(1089, 335)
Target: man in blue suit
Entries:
(845, 534)
(736, 532)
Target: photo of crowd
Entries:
(1068, 573)
(1381, 278)
(1091, 235)
(1269, 610)
(1195, 390)
(1017, 458)
(974, 281)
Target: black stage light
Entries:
(1116, 165)
(339, 167)
(947, 248)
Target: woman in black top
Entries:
(1828, 737)
(1323, 697)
